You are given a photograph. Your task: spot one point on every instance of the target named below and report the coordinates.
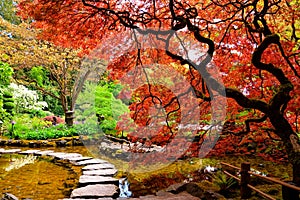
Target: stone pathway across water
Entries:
(96, 181)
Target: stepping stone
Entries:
(41, 153)
(99, 166)
(29, 152)
(88, 180)
(91, 161)
(1, 150)
(95, 191)
(77, 159)
(66, 156)
(103, 172)
(11, 151)
(56, 154)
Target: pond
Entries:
(36, 178)
(42, 179)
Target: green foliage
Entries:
(223, 182)
(54, 105)
(37, 113)
(38, 74)
(100, 99)
(35, 128)
(8, 11)
(24, 123)
(108, 106)
(8, 106)
(6, 73)
(8, 103)
(51, 132)
(89, 129)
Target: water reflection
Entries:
(16, 163)
(34, 178)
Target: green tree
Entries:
(108, 106)
(6, 73)
(8, 11)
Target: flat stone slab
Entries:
(86, 179)
(11, 151)
(46, 152)
(91, 161)
(99, 166)
(66, 156)
(100, 172)
(56, 154)
(77, 159)
(95, 191)
(1, 150)
(27, 152)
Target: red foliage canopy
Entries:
(254, 45)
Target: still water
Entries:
(35, 178)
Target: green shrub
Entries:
(87, 129)
(223, 182)
(8, 105)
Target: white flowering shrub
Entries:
(26, 99)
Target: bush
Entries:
(8, 105)
(52, 132)
(223, 182)
(89, 129)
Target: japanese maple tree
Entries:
(255, 45)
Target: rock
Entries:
(194, 190)
(261, 165)
(102, 172)
(167, 196)
(173, 188)
(61, 143)
(27, 152)
(86, 179)
(34, 144)
(47, 143)
(3, 142)
(77, 159)
(91, 161)
(67, 156)
(11, 151)
(210, 195)
(8, 196)
(16, 142)
(96, 191)
(99, 166)
(40, 153)
(191, 188)
(57, 155)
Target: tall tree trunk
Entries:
(291, 142)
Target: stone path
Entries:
(96, 181)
